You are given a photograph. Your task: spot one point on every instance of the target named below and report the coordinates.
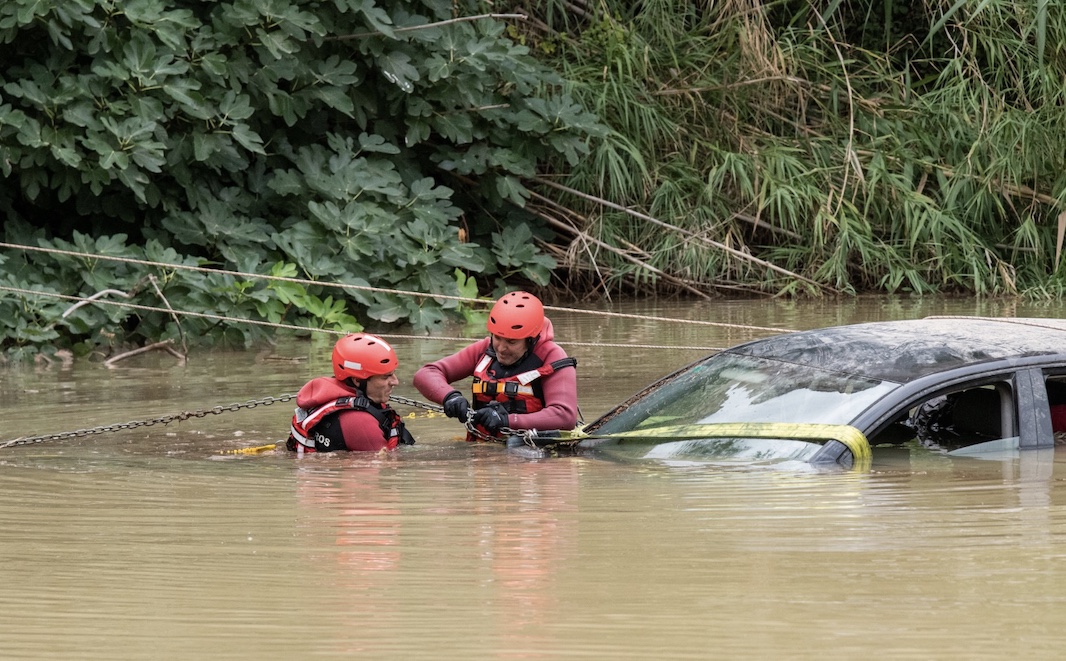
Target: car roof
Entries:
(906, 350)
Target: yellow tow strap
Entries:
(851, 437)
(256, 450)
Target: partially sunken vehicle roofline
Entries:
(906, 350)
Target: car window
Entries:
(736, 388)
(983, 415)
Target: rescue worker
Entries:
(350, 410)
(522, 379)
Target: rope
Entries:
(380, 290)
(258, 322)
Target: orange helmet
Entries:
(361, 356)
(516, 315)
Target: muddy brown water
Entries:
(149, 543)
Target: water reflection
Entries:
(362, 517)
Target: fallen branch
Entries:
(584, 236)
(165, 344)
(92, 298)
(587, 239)
(762, 224)
(693, 235)
(177, 354)
(461, 19)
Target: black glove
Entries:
(492, 417)
(456, 406)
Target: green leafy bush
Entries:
(343, 141)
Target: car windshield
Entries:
(737, 388)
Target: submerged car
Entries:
(957, 385)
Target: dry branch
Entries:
(461, 19)
(92, 298)
(181, 331)
(551, 220)
(165, 344)
(693, 235)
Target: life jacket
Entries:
(520, 389)
(319, 430)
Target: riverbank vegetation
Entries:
(879, 145)
(160, 155)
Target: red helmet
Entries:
(516, 315)
(361, 356)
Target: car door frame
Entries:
(1035, 427)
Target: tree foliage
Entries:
(339, 141)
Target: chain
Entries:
(166, 419)
(417, 404)
(474, 431)
(526, 435)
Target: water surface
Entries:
(149, 542)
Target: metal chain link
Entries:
(166, 419)
(474, 431)
(526, 435)
(417, 404)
